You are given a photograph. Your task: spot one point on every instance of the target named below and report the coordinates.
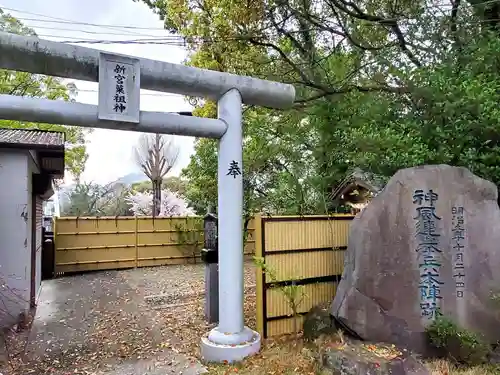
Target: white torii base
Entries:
(220, 347)
(230, 341)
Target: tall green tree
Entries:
(381, 85)
(40, 86)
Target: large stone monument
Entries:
(428, 244)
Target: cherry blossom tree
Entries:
(156, 155)
(171, 204)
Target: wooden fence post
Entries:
(54, 230)
(260, 295)
(136, 240)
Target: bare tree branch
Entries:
(353, 10)
(156, 155)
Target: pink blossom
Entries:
(171, 204)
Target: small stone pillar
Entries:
(209, 255)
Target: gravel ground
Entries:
(182, 293)
(176, 282)
(102, 323)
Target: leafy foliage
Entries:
(40, 86)
(91, 199)
(381, 85)
(173, 183)
(276, 171)
(190, 235)
(293, 293)
(460, 345)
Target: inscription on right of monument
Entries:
(457, 242)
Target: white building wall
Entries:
(15, 234)
(33, 168)
(38, 245)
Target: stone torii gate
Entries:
(120, 79)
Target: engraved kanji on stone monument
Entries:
(458, 238)
(427, 234)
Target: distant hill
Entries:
(132, 178)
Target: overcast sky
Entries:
(110, 151)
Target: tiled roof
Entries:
(369, 181)
(31, 137)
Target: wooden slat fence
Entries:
(92, 243)
(306, 249)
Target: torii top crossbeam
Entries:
(35, 55)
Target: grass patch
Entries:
(441, 367)
(282, 356)
(287, 356)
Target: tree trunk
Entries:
(156, 197)
(153, 209)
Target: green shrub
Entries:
(458, 344)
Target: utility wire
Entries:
(100, 32)
(174, 40)
(114, 27)
(68, 21)
(180, 42)
(58, 19)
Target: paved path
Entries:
(98, 323)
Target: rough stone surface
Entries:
(386, 291)
(494, 357)
(356, 358)
(318, 321)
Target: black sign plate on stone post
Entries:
(211, 243)
(209, 255)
